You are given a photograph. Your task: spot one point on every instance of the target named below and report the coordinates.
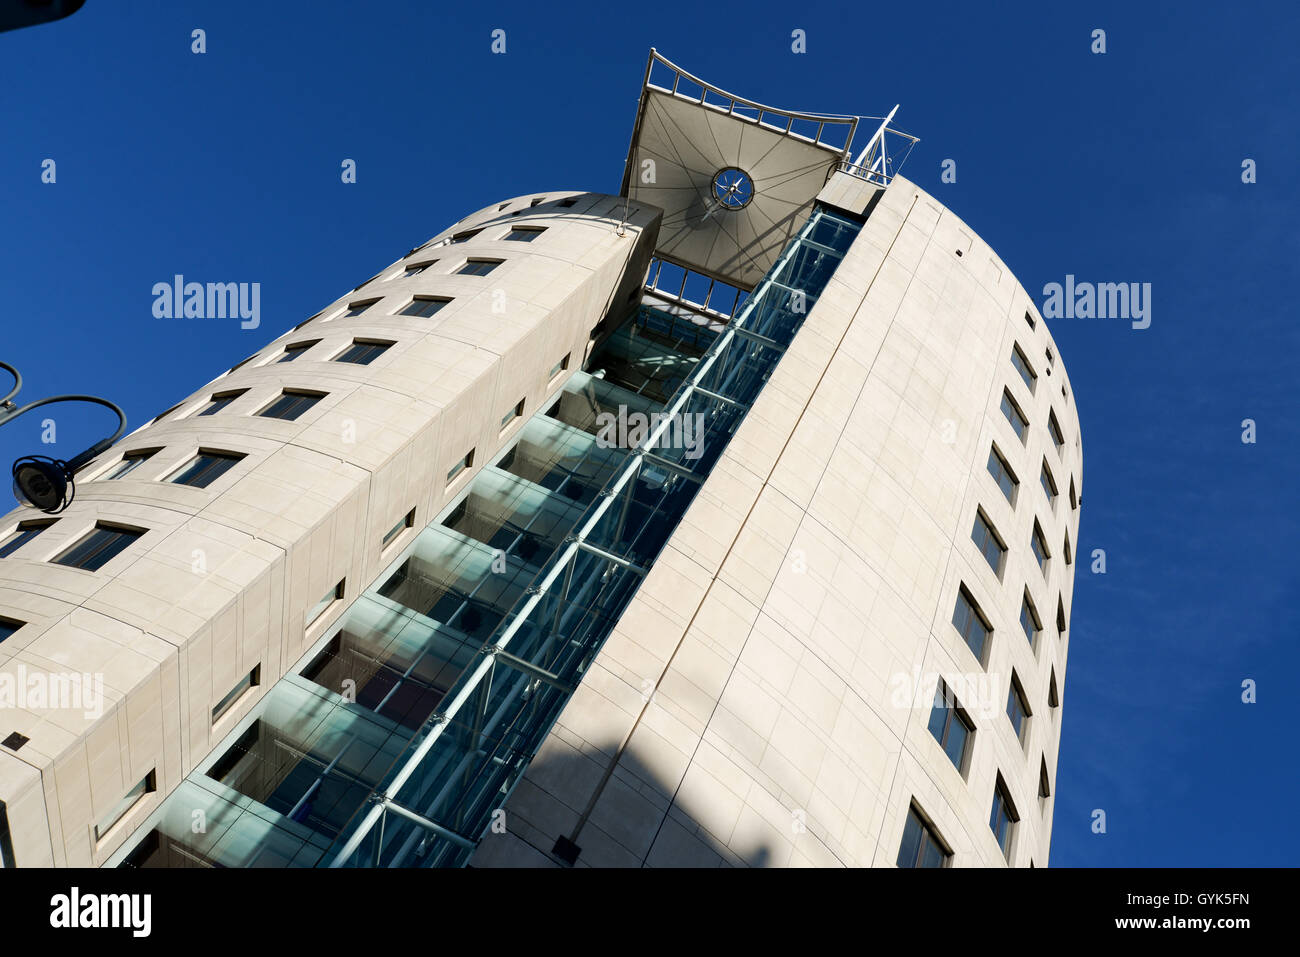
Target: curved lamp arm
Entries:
(80, 459)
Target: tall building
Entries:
(727, 520)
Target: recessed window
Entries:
(1003, 475)
(357, 308)
(1053, 695)
(463, 237)
(130, 462)
(1018, 709)
(971, 624)
(408, 521)
(558, 368)
(1049, 484)
(568, 203)
(329, 598)
(220, 401)
(205, 468)
(524, 234)
(362, 352)
(454, 472)
(1058, 439)
(1060, 617)
(986, 539)
(1066, 553)
(1029, 620)
(291, 404)
(1050, 358)
(1003, 818)
(246, 684)
(1014, 415)
(538, 201)
(513, 414)
(1029, 318)
(1022, 366)
(123, 807)
(8, 626)
(502, 206)
(95, 550)
(1039, 546)
(414, 269)
(23, 534)
(1074, 499)
(1044, 785)
(921, 846)
(951, 727)
(295, 349)
(478, 267)
(423, 306)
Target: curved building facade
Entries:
(728, 520)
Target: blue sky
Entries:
(1122, 167)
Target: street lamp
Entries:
(42, 482)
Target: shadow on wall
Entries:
(572, 810)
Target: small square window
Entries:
(568, 203)
(219, 401)
(245, 684)
(123, 807)
(559, 367)
(130, 462)
(414, 269)
(95, 550)
(423, 306)
(329, 598)
(291, 404)
(478, 267)
(408, 521)
(524, 234)
(463, 237)
(538, 201)
(295, 349)
(205, 468)
(1074, 499)
(362, 352)
(23, 534)
(1044, 785)
(357, 308)
(1029, 318)
(1060, 618)
(455, 471)
(513, 414)
(8, 626)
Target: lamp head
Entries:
(42, 483)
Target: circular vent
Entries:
(733, 187)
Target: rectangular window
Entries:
(362, 353)
(454, 472)
(95, 550)
(971, 624)
(408, 521)
(414, 269)
(357, 308)
(921, 845)
(1049, 484)
(1030, 319)
(1044, 785)
(423, 306)
(8, 626)
(205, 468)
(538, 201)
(989, 544)
(1014, 415)
(1065, 550)
(1003, 475)
(1074, 498)
(558, 367)
(950, 727)
(329, 598)
(1022, 366)
(123, 807)
(464, 237)
(1029, 619)
(1060, 618)
(1039, 546)
(478, 267)
(130, 462)
(513, 414)
(1058, 439)
(568, 203)
(1017, 709)
(524, 234)
(246, 684)
(1003, 818)
(295, 349)
(23, 534)
(220, 401)
(290, 405)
